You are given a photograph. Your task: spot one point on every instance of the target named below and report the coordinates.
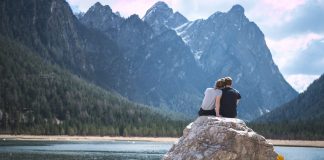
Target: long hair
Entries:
(220, 83)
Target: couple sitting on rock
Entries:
(220, 101)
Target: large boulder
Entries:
(213, 138)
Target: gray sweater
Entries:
(210, 98)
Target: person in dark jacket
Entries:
(229, 100)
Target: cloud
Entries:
(307, 18)
(295, 37)
(283, 5)
(309, 61)
(300, 17)
(272, 13)
(286, 51)
(301, 81)
(300, 58)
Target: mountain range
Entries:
(161, 60)
(188, 56)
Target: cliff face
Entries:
(50, 29)
(215, 138)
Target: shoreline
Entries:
(297, 143)
(83, 138)
(287, 143)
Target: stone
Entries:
(215, 138)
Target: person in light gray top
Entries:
(211, 101)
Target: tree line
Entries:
(291, 130)
(41, 98)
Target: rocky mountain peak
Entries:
(99, 7)
(102, 18)
(159, 10)
(118, 14)
(235, 15)
(98, 4)
(160, 5)
(161, 17)
(237, 9)
(134, 19)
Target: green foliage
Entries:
(41, 98)
(291, 130)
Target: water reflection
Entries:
(14, 150)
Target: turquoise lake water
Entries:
(115, 150)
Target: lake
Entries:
(112, 150)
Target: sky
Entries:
(293, 29)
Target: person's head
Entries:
(228, 81)
(220, 83)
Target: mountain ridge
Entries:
(306, 106)
(300, 118)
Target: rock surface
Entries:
(216, 138)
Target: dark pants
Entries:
(206, 112)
